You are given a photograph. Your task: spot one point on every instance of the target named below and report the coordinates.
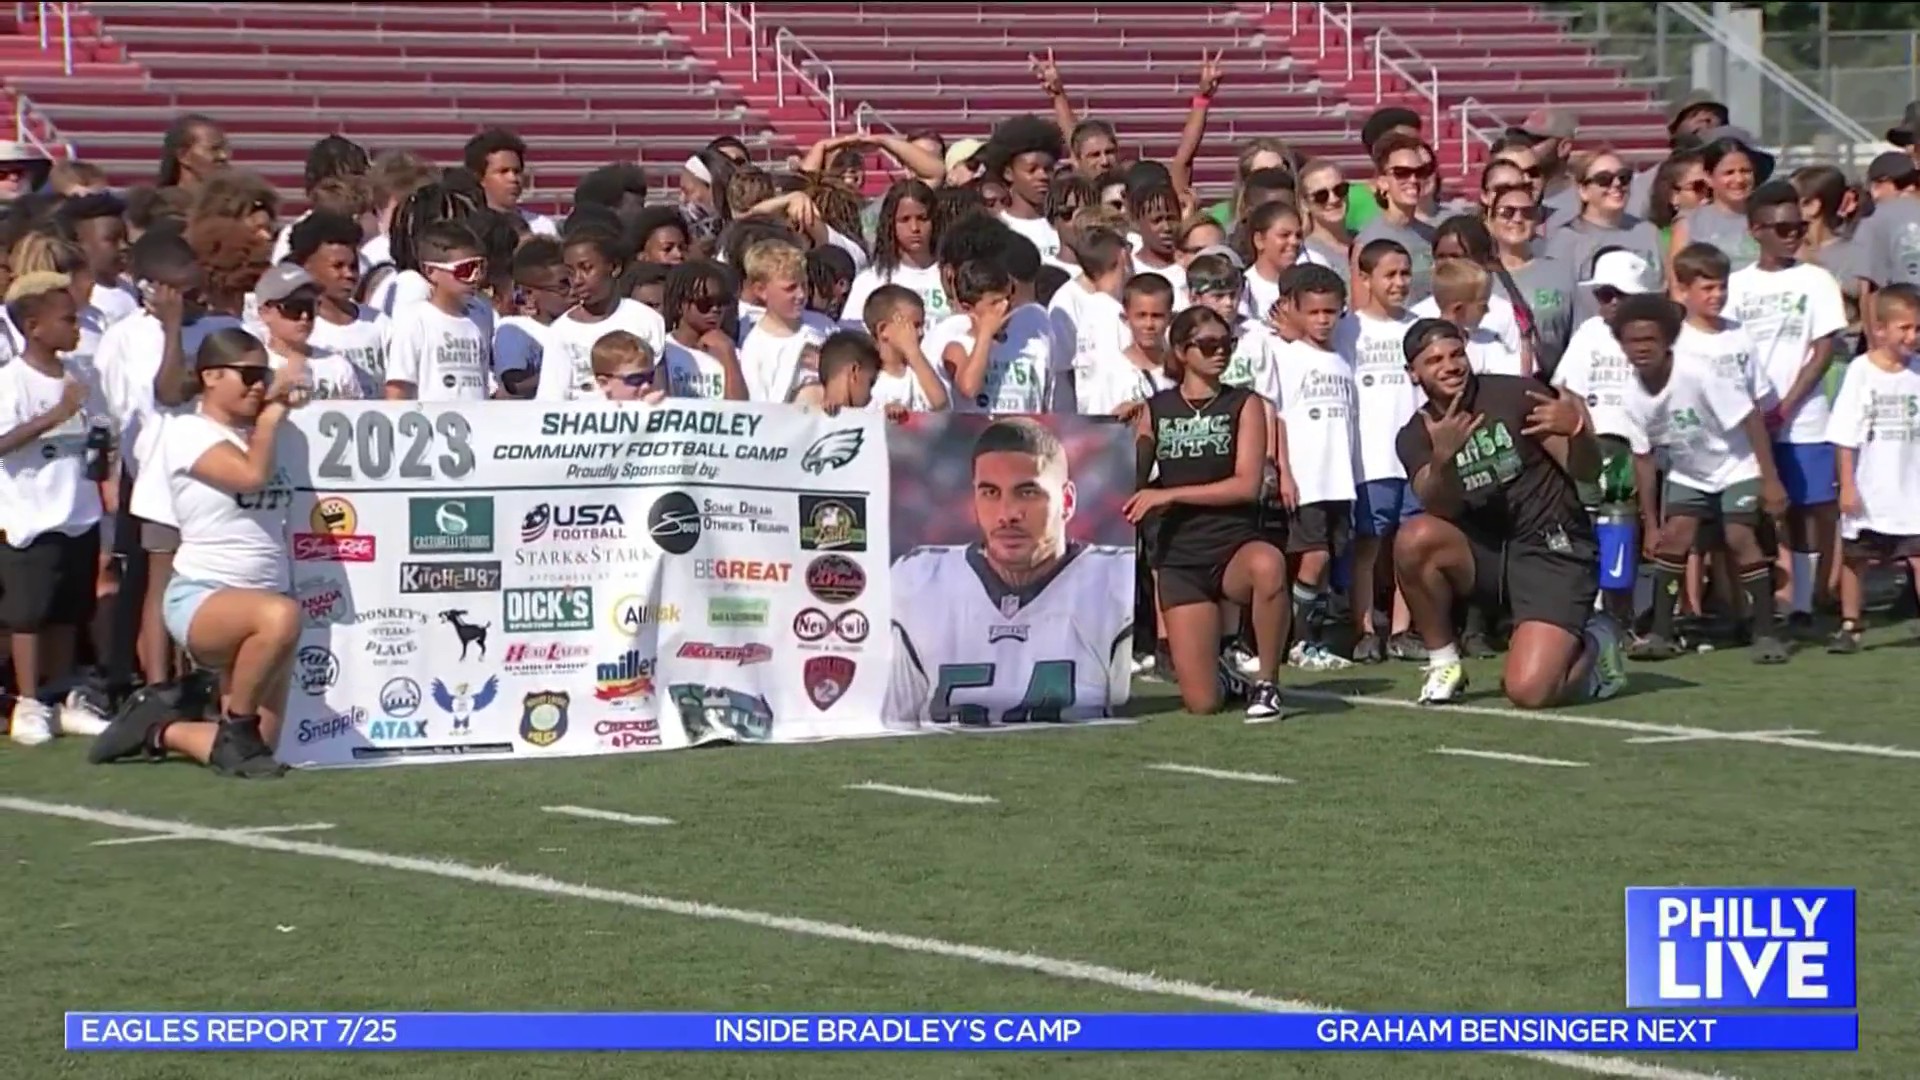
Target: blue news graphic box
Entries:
(1771, 948)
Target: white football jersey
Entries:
(970, 651)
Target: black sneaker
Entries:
(1233, 685)
(1770, 650)
(1369, 650)
(199, 695)
(1653, 647)
(1263, 703)
(1477, 647)
(131, 730)
(1404, 646)
(239, 751)
(1846, 640)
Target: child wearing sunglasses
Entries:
(288, 298)
(623, 370)
(540, 295)
(442, 350)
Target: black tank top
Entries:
(1194, 443)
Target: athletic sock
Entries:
(1666, 596)
(1806, 571)
(1757, 583)
(1306, 625)
(1444, 655)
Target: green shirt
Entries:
(1361, 208)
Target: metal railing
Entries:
(1847, 127)
(1463, 114)
(865, 115)
(1382, 64)
(44, 15)
(28, 124)
(1342, 23)
(746, 17)
(819, 80)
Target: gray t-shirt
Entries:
(1334, 254)
(1891, 238)
(1640, 192)
(1417, 238)
(1575, 243)
(1562, 204)
(1846, 260)
(1547, 285)
(1713, 224)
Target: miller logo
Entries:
(833, 450)
(827, 679)
(543, 717)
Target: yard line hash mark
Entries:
(607, 815)
(1518, 759)
(260, 830)
(1070, 970)
(1221, 774)
(1651, 740)
(924, 793)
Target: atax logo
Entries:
(833, 450)
(316, 669)
(543, 717)
(461, 701)
(564, 523)
(836, 579)
(827, 679)
(674, 523)
(400, 697)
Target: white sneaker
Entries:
(32, 722)
(1246, 662)
(1444, 683)
(77, 716)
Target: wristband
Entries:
(1200, 101)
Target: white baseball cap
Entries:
(1621, 270)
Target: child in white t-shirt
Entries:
(1118, 382)
(624, 369)
(1462, 290)
(1003, 362)
(594, 266)
(326, 246)
(54, 435)
(541, 295)
(288, 298)
(440, 351)
(897, 319)
(700, 358)
(781, 352)
(1875, 428)
(1088, 318)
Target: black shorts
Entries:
(1537, 583)
(50, 582)
(1879, 547)
(1322, 526)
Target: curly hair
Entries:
(427, 206)
(233, 255)
(1019, 135)
(952, 205)
(746, 189)
(233, 194)
(886, 246)
(839, 207)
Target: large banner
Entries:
(506, 579)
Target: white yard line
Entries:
(1221, 774)
(1638, 726)
(1070, 970)
(261, 830)
(607, 815)
(1011, 729)
(924, 793)
(1652, 740)
(1518, 759)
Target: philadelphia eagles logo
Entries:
(833, 450)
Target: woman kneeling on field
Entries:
(227, 603)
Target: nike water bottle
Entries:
(1618, 532)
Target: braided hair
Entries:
(431, 205)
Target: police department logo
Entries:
(827, 679)
(543, 717)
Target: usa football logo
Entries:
(827, 679)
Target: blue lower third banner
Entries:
(183, 1031)
(1740, 948)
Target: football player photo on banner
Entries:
(512, 580)
(1013, 570)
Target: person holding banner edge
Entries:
(227, 603)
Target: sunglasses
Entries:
(705, 305)
(250, 374)
(1327, 196)
(1789, 230)
(469, 271)
(1607, 294)
(1403, 173)
(1517, 213)
(1531, 172)
(299, 309)
(632, 380)
(1214, 287)
(1698, 187)
(1621, 179)
(1212, 346)
(1115, 204)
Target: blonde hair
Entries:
(1460, 281)
(1100, 216)
(396, 174)
(773, 260)
(348, 196)
(620, 349)
(748, 189)
(45, 253)
(36, 283)
(233, 194)
(67, 177)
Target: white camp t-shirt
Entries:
(1729, 355)
(1316, 404)
(1785, 312)
(694, 373)
(1038, 230)
(772, 363)
(1087, 324)
(329, 378)
(1595, 367)
(1020, 370)
(407, 288)
(924, 281)
(1696, 421)
(445, 357)
(127, 360)
(1500, 320)
(238, 541)
(1260, 295)
(362, 343)
(519, 344)
(114, 302)
(1877, 414)
(903, 389)
(1385, 396)
(1113, 380)
(568, 367)
(43, 485)
(1256, 349)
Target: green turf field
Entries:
(1384, 876)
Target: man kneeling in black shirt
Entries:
(1493, 460)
